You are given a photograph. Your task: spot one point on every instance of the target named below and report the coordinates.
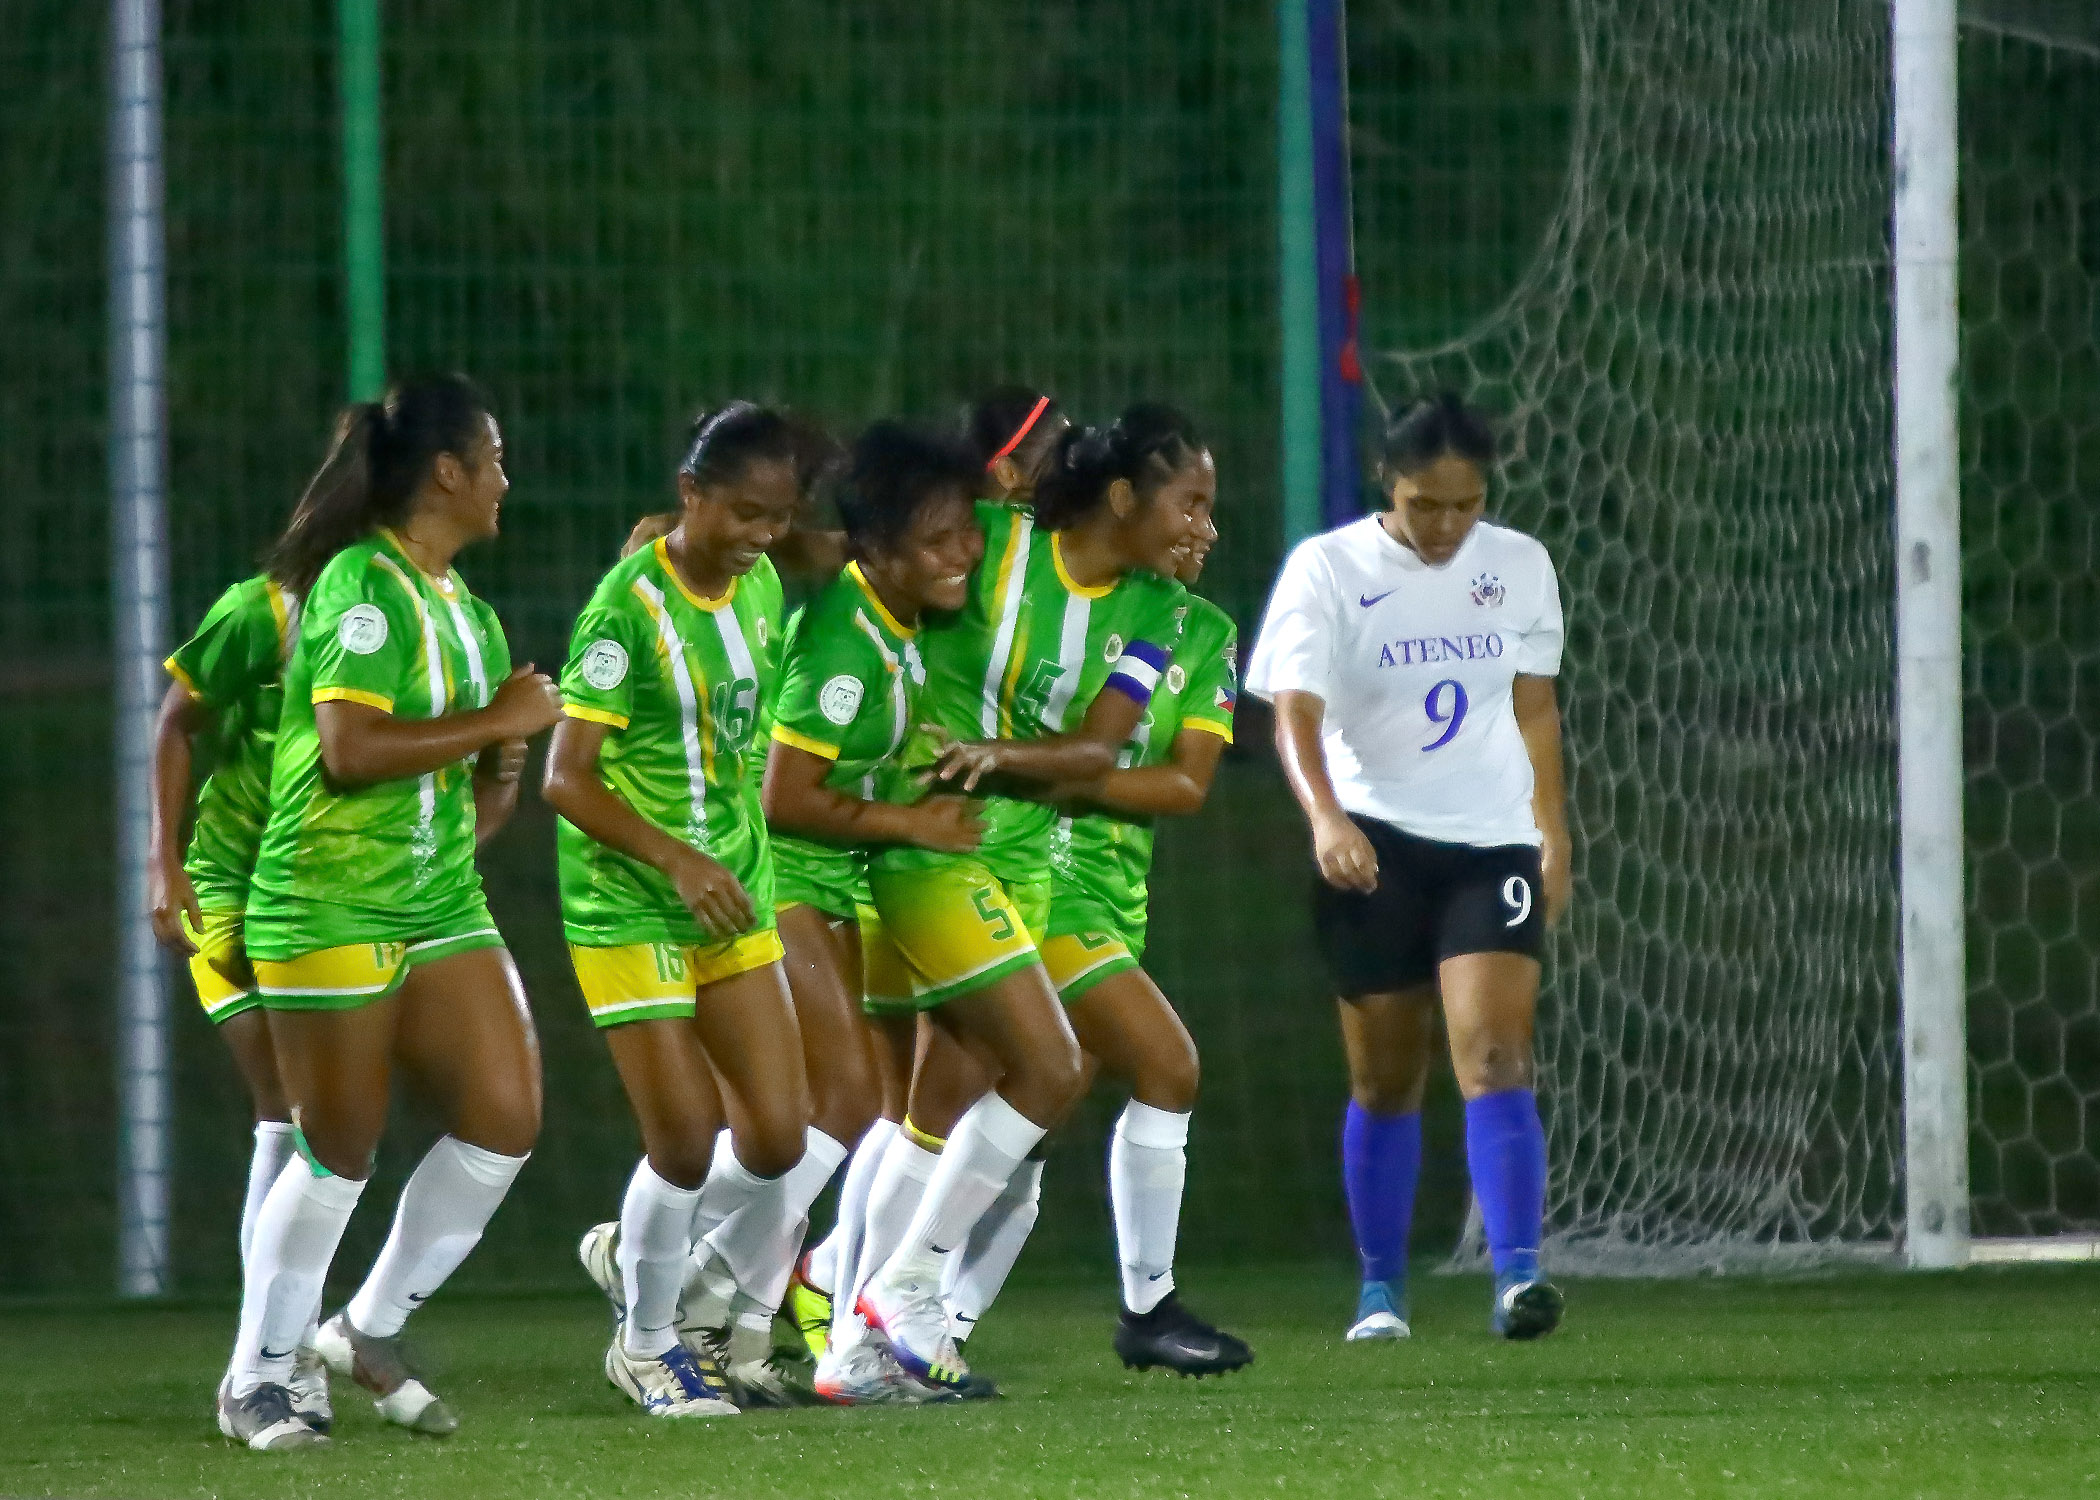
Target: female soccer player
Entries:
(1411, 658)
(227, 693)
(667, 899)
(1096, 945)
(366, 926)
(848, 702)
(1062, 625)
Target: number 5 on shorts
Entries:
(1516, 895)
(1001, 924)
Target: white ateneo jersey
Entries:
(1415, 664)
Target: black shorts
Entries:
(1433, 902)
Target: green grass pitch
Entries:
(1985, 1383)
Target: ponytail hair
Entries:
(1147, 445)
(1426, 430)
(381, 453)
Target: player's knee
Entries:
(1493, 1066)
(1399, 1095)
(1051, 1083)
(771, 1144)
(1170, 1081)
(343, 1149)
(845, 1096)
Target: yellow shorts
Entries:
(357, 973)
(662, 981)
(219, 968)
(1077, 961)
(944, 931)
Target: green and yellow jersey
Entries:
(1023, 659)
(234, 666)
(679, 681)
(392, 862)
(1099, 861)
(849, 692)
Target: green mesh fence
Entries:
(1654, 232)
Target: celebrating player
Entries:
(1096, 946)
(1061, 625)
(399, 747)
(227, 693)
(848, 702)
(667, 901)
(1411, 658)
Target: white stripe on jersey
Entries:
(688, 707)
(1071, 656)
(1016, 581)
(423, 843)
(899, 710)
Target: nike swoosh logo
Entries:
(277, 1353)
(1367, 600)
(419, 1296)
(1155, 1275)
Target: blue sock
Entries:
(1381, 1160)
(1506, 1151)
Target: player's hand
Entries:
(1557, 870)
(502, 763)
(948, 823)
(527, 702)
(967, 761)
(717, 900)
(1346, 859)
(169, 895)
(649, 528)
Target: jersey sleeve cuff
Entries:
(1210, 726)
(796, 741)
(188, 686)
(353, 695)
(603, 716)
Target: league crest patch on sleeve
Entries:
(362, 629)
(604, 664)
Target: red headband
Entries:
(1042, 405)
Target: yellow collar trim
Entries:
(896, 626)
(1064, 574)
(663, 556)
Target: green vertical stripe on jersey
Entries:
(1023, 659)
(393, 860)
(1100, 862)
(234, 665)
(849, 691)
(678, 681)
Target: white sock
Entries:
(296, 1232)
(275, 1144)
(972, 1280)
(656, 1237)
(989, 1143)
(893, 1198)
(730, 1185)
(726, 1188)
(831, 1263)
(453, 1192)
(759, 1241)
(1148, 1162)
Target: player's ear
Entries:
(1007, 475)
(1122, 499)
(1401, 489)
(448, 473)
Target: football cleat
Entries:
(673, 1384)
(264, 1420)
(1526, 1309)
(382, 1366)
(309, 1388)
(910, 1319)
(809, 1309)
(599, 1250)
(1170, 1337)
(1379, 1315)
(866, 1374)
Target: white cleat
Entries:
(674, 1384)
(599, 1251)
(264, 1421)
(909, 1318)
(1379, 1325)
(864, 1374)
(381, 1366)
(309, 1388)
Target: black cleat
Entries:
(1170, 1337)
(1526, 1309)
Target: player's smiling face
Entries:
(1176, 519)
(1436, 507)
(729, 525)
(472, 484)
(1197, 550)
(932, 562)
